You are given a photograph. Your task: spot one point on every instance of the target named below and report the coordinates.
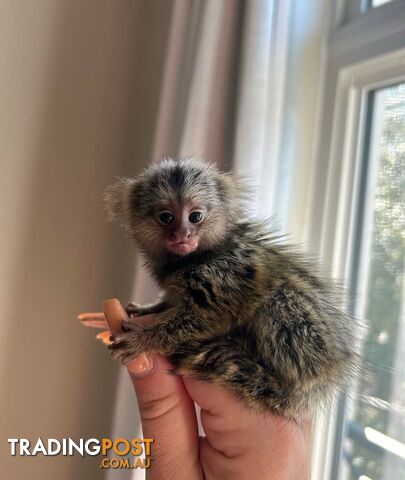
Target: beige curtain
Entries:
(221, 99)
(196, 116)
(197, 103)
(90, 89)
(72, 95)
(239, 87)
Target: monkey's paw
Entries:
(129, 344)
(133, 309)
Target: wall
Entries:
(79, 89)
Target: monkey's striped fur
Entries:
(243, 309)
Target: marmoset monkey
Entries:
(239, 308)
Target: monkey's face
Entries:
(178, 224)
(174, 207)
(181, 224)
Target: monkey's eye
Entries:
(195, 217)
(166, 217)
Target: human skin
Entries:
(239, 443)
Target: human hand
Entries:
(239, 443)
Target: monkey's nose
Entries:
(180, 235)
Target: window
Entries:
(356, 223)
(374, 433)
(378, 3)
(353, 9)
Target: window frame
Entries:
(356, 8)
(361, 55)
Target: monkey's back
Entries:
(273, 331)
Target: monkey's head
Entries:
(175, 207)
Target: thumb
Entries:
(166, 410)
(237, 436)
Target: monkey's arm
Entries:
(171, 327)
(151, 308)
(162, 303)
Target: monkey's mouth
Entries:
(183, 247)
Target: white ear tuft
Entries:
(117, 200)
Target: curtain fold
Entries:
(221, 99)
(200, 81)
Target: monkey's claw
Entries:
(125, 346)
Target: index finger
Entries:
(93, 319)
(167, 412)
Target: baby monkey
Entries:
(238, 308)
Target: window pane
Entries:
(374, 443)
(377, 3)
(357, 8)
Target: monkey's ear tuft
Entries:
(234, 193)
(116, 200)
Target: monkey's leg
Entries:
(227, 361)
(152, 308)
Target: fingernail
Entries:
(104, 337)
(141, 366)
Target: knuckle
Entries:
(156, 408)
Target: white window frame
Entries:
(352, 9)
(361, 55)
